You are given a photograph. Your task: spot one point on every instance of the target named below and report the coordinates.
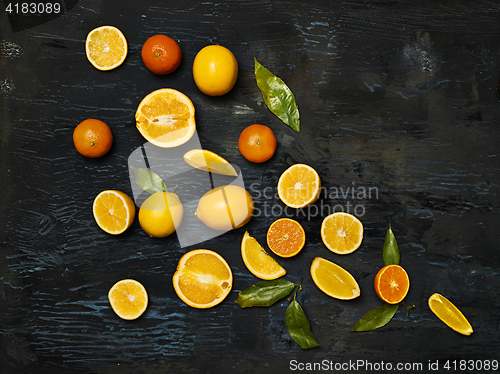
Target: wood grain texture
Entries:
(396, 97)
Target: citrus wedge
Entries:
(334, 280)
(203, 278)
(165, 118)
(258, 261)
(128, 298)
(114, 211)
(449, 314)
(286, 237)
(106, 47)
(209, 161)
(392, 284)
(342, 233)
(299, 186)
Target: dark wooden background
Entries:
(399, 96)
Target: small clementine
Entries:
(257, 143)
(92, 138)
(392, 284)
(161, 54)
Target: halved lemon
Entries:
(299, 186)
(128, 298)
(334, 280)
(114, 211)
(342, 233)
(106, 47)
(209, 161)
(165, 118)
(449, 314)
(258, 261)
(203, 278)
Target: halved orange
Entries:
(203, 278)
(106, 47)
(258, 261)
(286, 237)
(392, 284)
(165, 118)
(209, 161)
(342, 233)
(447, 312)
(334, 280)
(128, 298)
(114, 211)
(299, 186)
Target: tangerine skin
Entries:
(257, 143)
(92, 138)
(161, 54)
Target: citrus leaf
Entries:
(299, 327)
(264, 293)
(390, 251)
(375, 318)
(149, 181)
(277, 96)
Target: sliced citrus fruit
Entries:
(106, 47)
(203, 278)
(286, 237)
(114, 211)
(258, 261)
(128, 298)
(165, 118)
(209, 161)
(342, 233)
(334, 280)
(449, 314)
(392, 284)
(299, 186)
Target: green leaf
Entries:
(264, 293)
(390, 251)
(277, 96)
(375, 318)
(148, 180)
(298, 326)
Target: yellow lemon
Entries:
(215, 70)
(225, 208)
(161, 214)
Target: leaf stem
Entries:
(408, 309)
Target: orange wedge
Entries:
(203, 278)
(258, 261)
(334, 280)
(209, 161)
(286, 237)
(392, 284)
(342, 233)
(299, 186)
(106, 47)
(165, 118)
(128, 298)
(449, 314)
(114, 211)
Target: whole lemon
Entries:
(160, 214)
(215, 70)
(225, 208)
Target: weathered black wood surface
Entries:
(396, 96)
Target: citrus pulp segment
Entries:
(165, 118)
(128, 298)
(106, 47)
(258, 261)
(203, 278)
(299, 186)
(334, 280)
(342, 233)
(447, 312)
(209, 161)
(114, 211)
(392, 284)
(286, 237)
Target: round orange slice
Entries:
(203, 278)
(286, 237)
(342, 233)
(128, 298)
(299, 186)
(449, 314)
(106, 47)
(114, 211)
(392, 284)
(334, 280)
(165, 118)
(258, 261)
